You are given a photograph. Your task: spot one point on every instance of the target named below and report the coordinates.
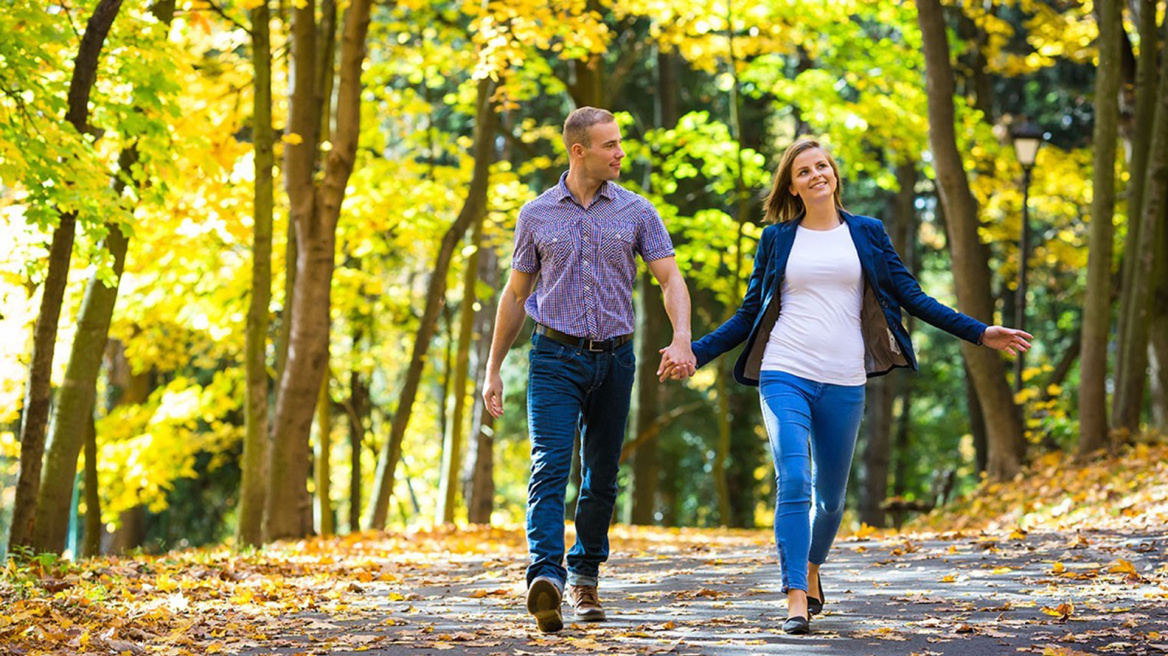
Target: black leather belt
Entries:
(594, 345)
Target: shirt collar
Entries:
(606, 189)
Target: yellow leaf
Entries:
(1122, 567)
(1003, 570)
(948, 578)
(292, 138)
(1058, 568)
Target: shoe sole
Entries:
(543, 601)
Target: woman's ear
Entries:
(793, 192)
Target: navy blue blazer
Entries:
(888, 286)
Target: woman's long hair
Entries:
(780, 204)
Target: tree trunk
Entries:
(1132, 368)
(480, 481)
(91, 548)
(315, 213)
(1093, 433)
(38, 393)
(125, 388)
(452, 449)
(883, 391)
(1158, 334)
(249, 530)
(654, 334)
(970, 263)
(74, 411)
(1146, 84)
(323, 469)
(471, 211)
(358, 419)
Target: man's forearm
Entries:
(676, 297)
(508, 322)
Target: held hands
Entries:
(677, 361)
(1005, 339)
(493, 394)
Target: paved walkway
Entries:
(697, 593)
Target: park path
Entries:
(702, 592)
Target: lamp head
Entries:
(1027, 138)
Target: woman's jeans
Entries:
(570, 388)
(812, 428)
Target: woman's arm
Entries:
(919, 304)
(911, 297)
(737, 328)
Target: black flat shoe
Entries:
(815, 606)
(797, 625)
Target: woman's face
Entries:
(812, 177)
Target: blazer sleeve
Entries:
(911, 297)
(737, 328)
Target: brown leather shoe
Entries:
(585, 601)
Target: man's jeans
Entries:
(812, 428)
(570, 388)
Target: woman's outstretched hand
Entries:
(1010, 340)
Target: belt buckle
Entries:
(592, 348)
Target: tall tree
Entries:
(883, 391)
(1097, 305)
(323, 468)
(971, 274)
(39, 389)
(1131, 369)
(653, 332)
(472, 209)
(249, 530)
(91, 547)
(73, 415)
(479, 472)
(315, 209)
(452, 448)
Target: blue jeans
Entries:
(812, 428)
(570, 388)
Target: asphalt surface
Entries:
(1042, 593)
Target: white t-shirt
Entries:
(817, 334)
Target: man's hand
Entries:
(493, 394)
(677, 361)
(1009, 340)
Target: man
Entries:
(581, 238)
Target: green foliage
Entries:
(849, 72)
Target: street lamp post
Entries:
(1027, 139)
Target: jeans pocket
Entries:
(544, 347)
(625, 357)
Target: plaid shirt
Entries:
(586, 257)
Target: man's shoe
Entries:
(815, 606)
(543, 601)
(586, 603)
(797, 625)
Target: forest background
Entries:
(252, 249)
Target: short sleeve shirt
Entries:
(586, 257)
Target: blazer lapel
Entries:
(863, 245)
(783, 243)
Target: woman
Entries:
(821, 315)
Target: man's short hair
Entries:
(579, 122)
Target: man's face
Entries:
(603, 155)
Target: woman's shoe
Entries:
(815, 606)
(797, 625)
